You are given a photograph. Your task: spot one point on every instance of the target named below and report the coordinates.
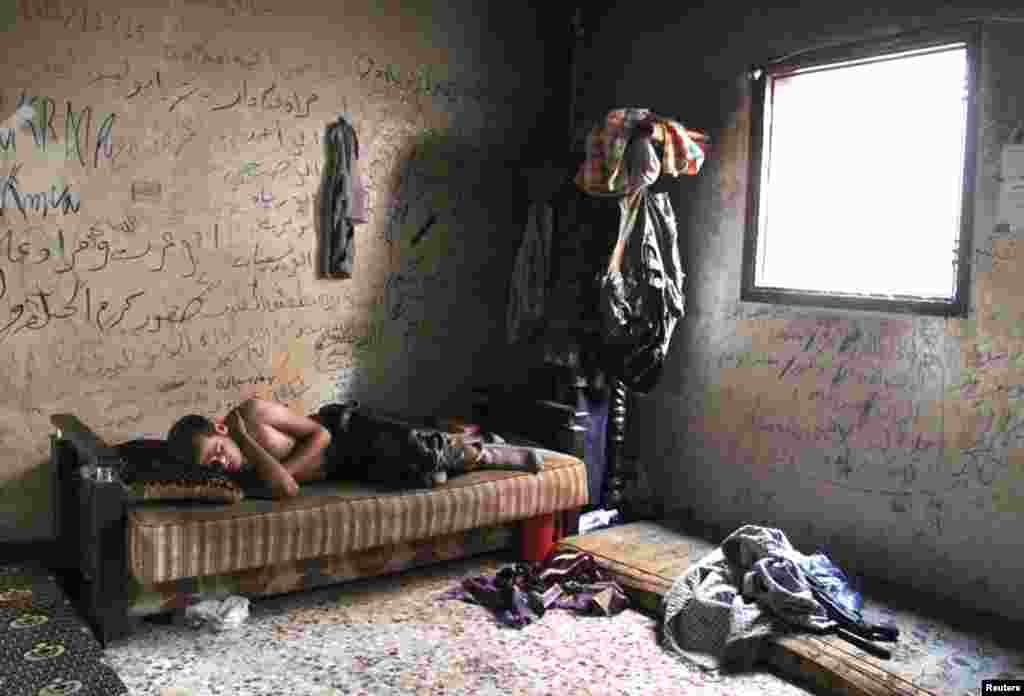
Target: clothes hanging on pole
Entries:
(621, 158)
(642, 290)
(342, 201)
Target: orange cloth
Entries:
(621, 158)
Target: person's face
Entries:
(218, 449)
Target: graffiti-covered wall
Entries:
(161, 166)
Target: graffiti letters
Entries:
(199, 55)
(39, 308)
(64, 201)
(82, 19)
(269, 99)
(78, 141)
(421, 81)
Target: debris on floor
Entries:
(220, 615)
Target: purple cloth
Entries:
(519, 594)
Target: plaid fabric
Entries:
(683, 153)
(622, 160)
(168, 541)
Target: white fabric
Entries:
(220, 615)
(715, 613)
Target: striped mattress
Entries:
(168, 541)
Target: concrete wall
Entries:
(159, 218)
(892, 442)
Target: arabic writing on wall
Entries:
(918, 412)
(159, 206)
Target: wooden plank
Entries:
(646, 557)
(834, 666)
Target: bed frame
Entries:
(90, 504)
(90, 511)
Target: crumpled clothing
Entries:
(520, 594)
(642, 290)
(621, 157)
(840, 597)
(780, 585)
(717, 613)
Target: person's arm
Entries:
(282, 484)
(311, 438)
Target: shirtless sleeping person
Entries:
(264, 443)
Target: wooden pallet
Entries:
(646, 557)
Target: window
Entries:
(862, 177)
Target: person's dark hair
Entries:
(181, 437)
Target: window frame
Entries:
(958, 305)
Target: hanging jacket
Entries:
(339, 200)
(642, 290)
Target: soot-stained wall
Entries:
(891, 441)
(160, 165)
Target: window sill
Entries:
(855, 303)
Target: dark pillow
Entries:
(151, 473)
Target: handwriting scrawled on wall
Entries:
(869, 390)
(42, 307)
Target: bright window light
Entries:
(862, 176)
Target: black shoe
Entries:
(436, 456)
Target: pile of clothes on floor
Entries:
(521, 593)
(755, 585)
(716, 615)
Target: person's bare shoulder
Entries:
(260, 412)
(252, 410)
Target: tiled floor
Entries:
(392, 635)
